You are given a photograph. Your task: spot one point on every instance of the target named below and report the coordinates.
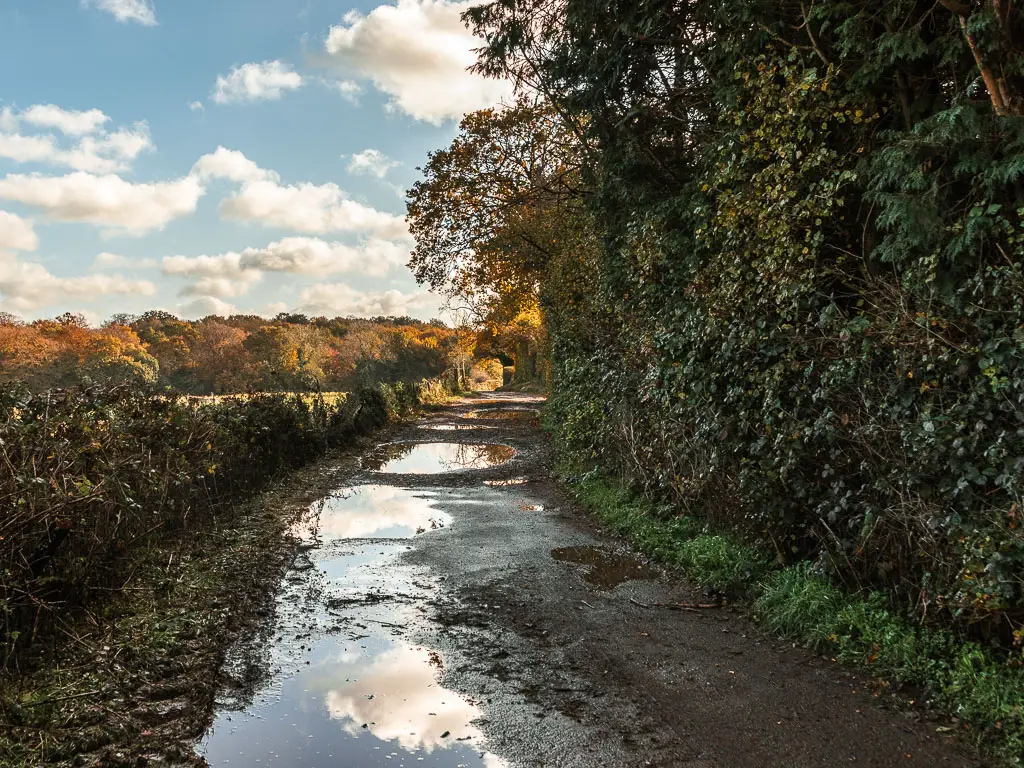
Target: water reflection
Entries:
(397, 698)
(347, 688)
(435, 458)
(377, 511)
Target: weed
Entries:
(981, 686)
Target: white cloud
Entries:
(96, 151)
(108, 153)
(16, 234)
(8, 120)
(275, 308)
(106, 201)
(311, 208)
(227, 265)
(371, 162)
(28, 286)
(256, 82)
(231, 165)
(232, 274)
(204, 306)
(222, 276)
(196, 106)
(69, 122)
(114, 261)
(349, 90)
(140, 11)
(218, 287)
(417, 52)
(342, 300)
(311, 256)
(27, 149)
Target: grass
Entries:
(979, 687)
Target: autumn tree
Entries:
(496, 209)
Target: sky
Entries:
(222, 156)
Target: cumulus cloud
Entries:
(67, 121)
(204, 306)
(310, 208)
(344, 300)
(105, 261)
(8, 120)
(28, 286)
(196, 106)
(417, 52)
(228, 275)
(349, 90)
(227, 265)
(16, 234)
(97, 150)
(231, 165)
(311, 256)
(371, 162)
(256, 82)
(25, 286)
(107, 201)
(139, 11)
(27, 149)
(222, 276)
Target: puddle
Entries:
(453, 427)
(605, 570)
(435, 458)
(371, 511)
(344, 684)
(498, 413)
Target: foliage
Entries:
(493, 212)
(982, 688)
(803, 317)
(218, 355)
(92, 473)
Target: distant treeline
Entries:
(241, 353)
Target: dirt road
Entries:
(448, 606)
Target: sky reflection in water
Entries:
(435, 458)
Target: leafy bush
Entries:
(88, 474)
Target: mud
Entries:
(602, 568)
(474, 616)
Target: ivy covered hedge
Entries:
(805, 319)
(88, 474)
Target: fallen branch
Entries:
(678, 606)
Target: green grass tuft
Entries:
(980, 686)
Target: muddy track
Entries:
(448, 605)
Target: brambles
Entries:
(89, 474)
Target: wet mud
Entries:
(447, 605)
(605, 569)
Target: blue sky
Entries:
(221, 155)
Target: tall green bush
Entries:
(806, 320)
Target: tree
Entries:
(493, 208)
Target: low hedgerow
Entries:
(88, 474)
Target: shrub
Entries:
(89, 473)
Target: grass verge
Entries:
(980, 688)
